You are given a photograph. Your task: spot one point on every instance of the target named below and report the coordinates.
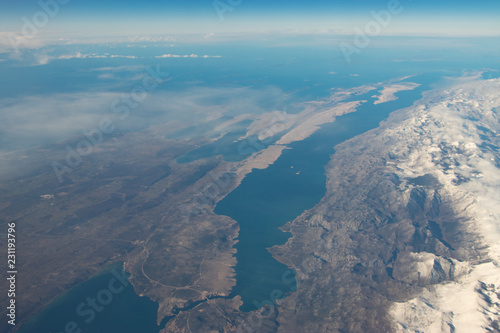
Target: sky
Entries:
(77, 18)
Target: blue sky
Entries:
(129, 17)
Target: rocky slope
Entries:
(406, 238)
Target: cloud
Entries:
(131, 73)
(15, 42)
(187, 56)
(10, 41)
(107, 76)
(417, 60)
(37, 120)
(123, 56)
(133, 68)
(152, 39)
(44, 58)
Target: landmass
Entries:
(405, 239)
(388, 92)
(408, 219)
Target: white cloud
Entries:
(123, 56)
(40, 119)
(44, 58)
(134, 68)
(152, 39)
(417, 60)
(132, 73)
(187, 56)
(34, 120)
(107, 76)
(12, 42)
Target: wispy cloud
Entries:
(33, 120)
(107, 76)
(123, 56)
(134, 68)
(152, 39)
(10, 38)
(44, 58)
(36, 120)
(187, 56)
(417, 60)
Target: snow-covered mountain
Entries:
(454, 136)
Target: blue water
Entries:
(267, 199)
(124, 312)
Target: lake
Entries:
(105, 303)
(267, 199)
